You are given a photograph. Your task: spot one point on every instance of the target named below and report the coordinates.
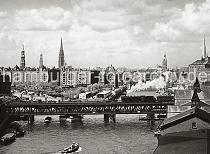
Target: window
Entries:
(194, 125)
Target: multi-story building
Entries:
(28, 75)
(94, 76)
(54, 75)
(72, 77)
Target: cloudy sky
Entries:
(131, 33)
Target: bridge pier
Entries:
(30, 119)
(113, 117)
(151, 119)
(108, 117)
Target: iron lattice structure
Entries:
(32, 108)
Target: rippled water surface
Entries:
(127, 136)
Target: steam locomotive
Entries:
(128, 99)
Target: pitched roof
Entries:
(201, 61)
(198, 62)
(200, 102)
(184, 116)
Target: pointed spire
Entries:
(61, 61)
(204, 47)
(196, 86)
(195, 101)
(61, 47)
(23, 46)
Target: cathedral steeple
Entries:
(61, 56)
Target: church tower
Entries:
(164, 63)
(61, 56)
(41, 61)
(22, 60)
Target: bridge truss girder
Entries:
(86, 109)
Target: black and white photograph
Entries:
(104, 77)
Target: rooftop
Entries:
(184, 116)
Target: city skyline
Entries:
(101, 33)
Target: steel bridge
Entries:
(86, 108)
(15, 110)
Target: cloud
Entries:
(192, 20)
(43, 19)
(196, 18)
(3, 14)
(165, 32)
(7, 51)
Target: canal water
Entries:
(127, 136)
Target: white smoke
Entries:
(158, 83)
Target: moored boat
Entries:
(8, 138)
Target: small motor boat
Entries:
(8, 138)
(47, 119)
(73, 148)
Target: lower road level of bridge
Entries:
(108, 109)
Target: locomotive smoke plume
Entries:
(155, 84)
